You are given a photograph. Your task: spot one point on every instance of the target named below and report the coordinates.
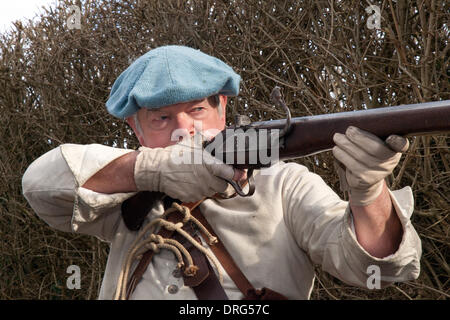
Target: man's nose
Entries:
(184, 121)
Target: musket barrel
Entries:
(314, 134)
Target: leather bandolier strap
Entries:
(204, 283)
(232, 269)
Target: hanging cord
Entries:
(156, 242)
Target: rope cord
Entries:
(156, 242)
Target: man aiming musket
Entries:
(196, 241)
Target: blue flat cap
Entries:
(168, 75)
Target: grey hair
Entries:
(219, 106)
(137, 123)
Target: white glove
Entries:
(367, 160)
(183, 171)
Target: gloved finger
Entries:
(208, 183)
(348, 161)
(215, 185)
(340, 169)
(397, 143)
(369, 142)
(210, 160)
(356, 151)
(360, 170)
(221, 170)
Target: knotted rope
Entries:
(156, 242)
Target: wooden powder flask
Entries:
(257, 145)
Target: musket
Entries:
(298, 137)
(303, 136)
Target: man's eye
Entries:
(197, 109)
(160, 118)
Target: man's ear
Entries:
(131, 120)
(223, 103)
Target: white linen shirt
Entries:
(292, 222)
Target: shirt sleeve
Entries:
(52, 185)
(321, 223)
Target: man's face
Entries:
(163, 127)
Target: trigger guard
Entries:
(251, 185)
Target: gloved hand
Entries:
(183, 171)
(367, 160)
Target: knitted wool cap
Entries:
(168, 75)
